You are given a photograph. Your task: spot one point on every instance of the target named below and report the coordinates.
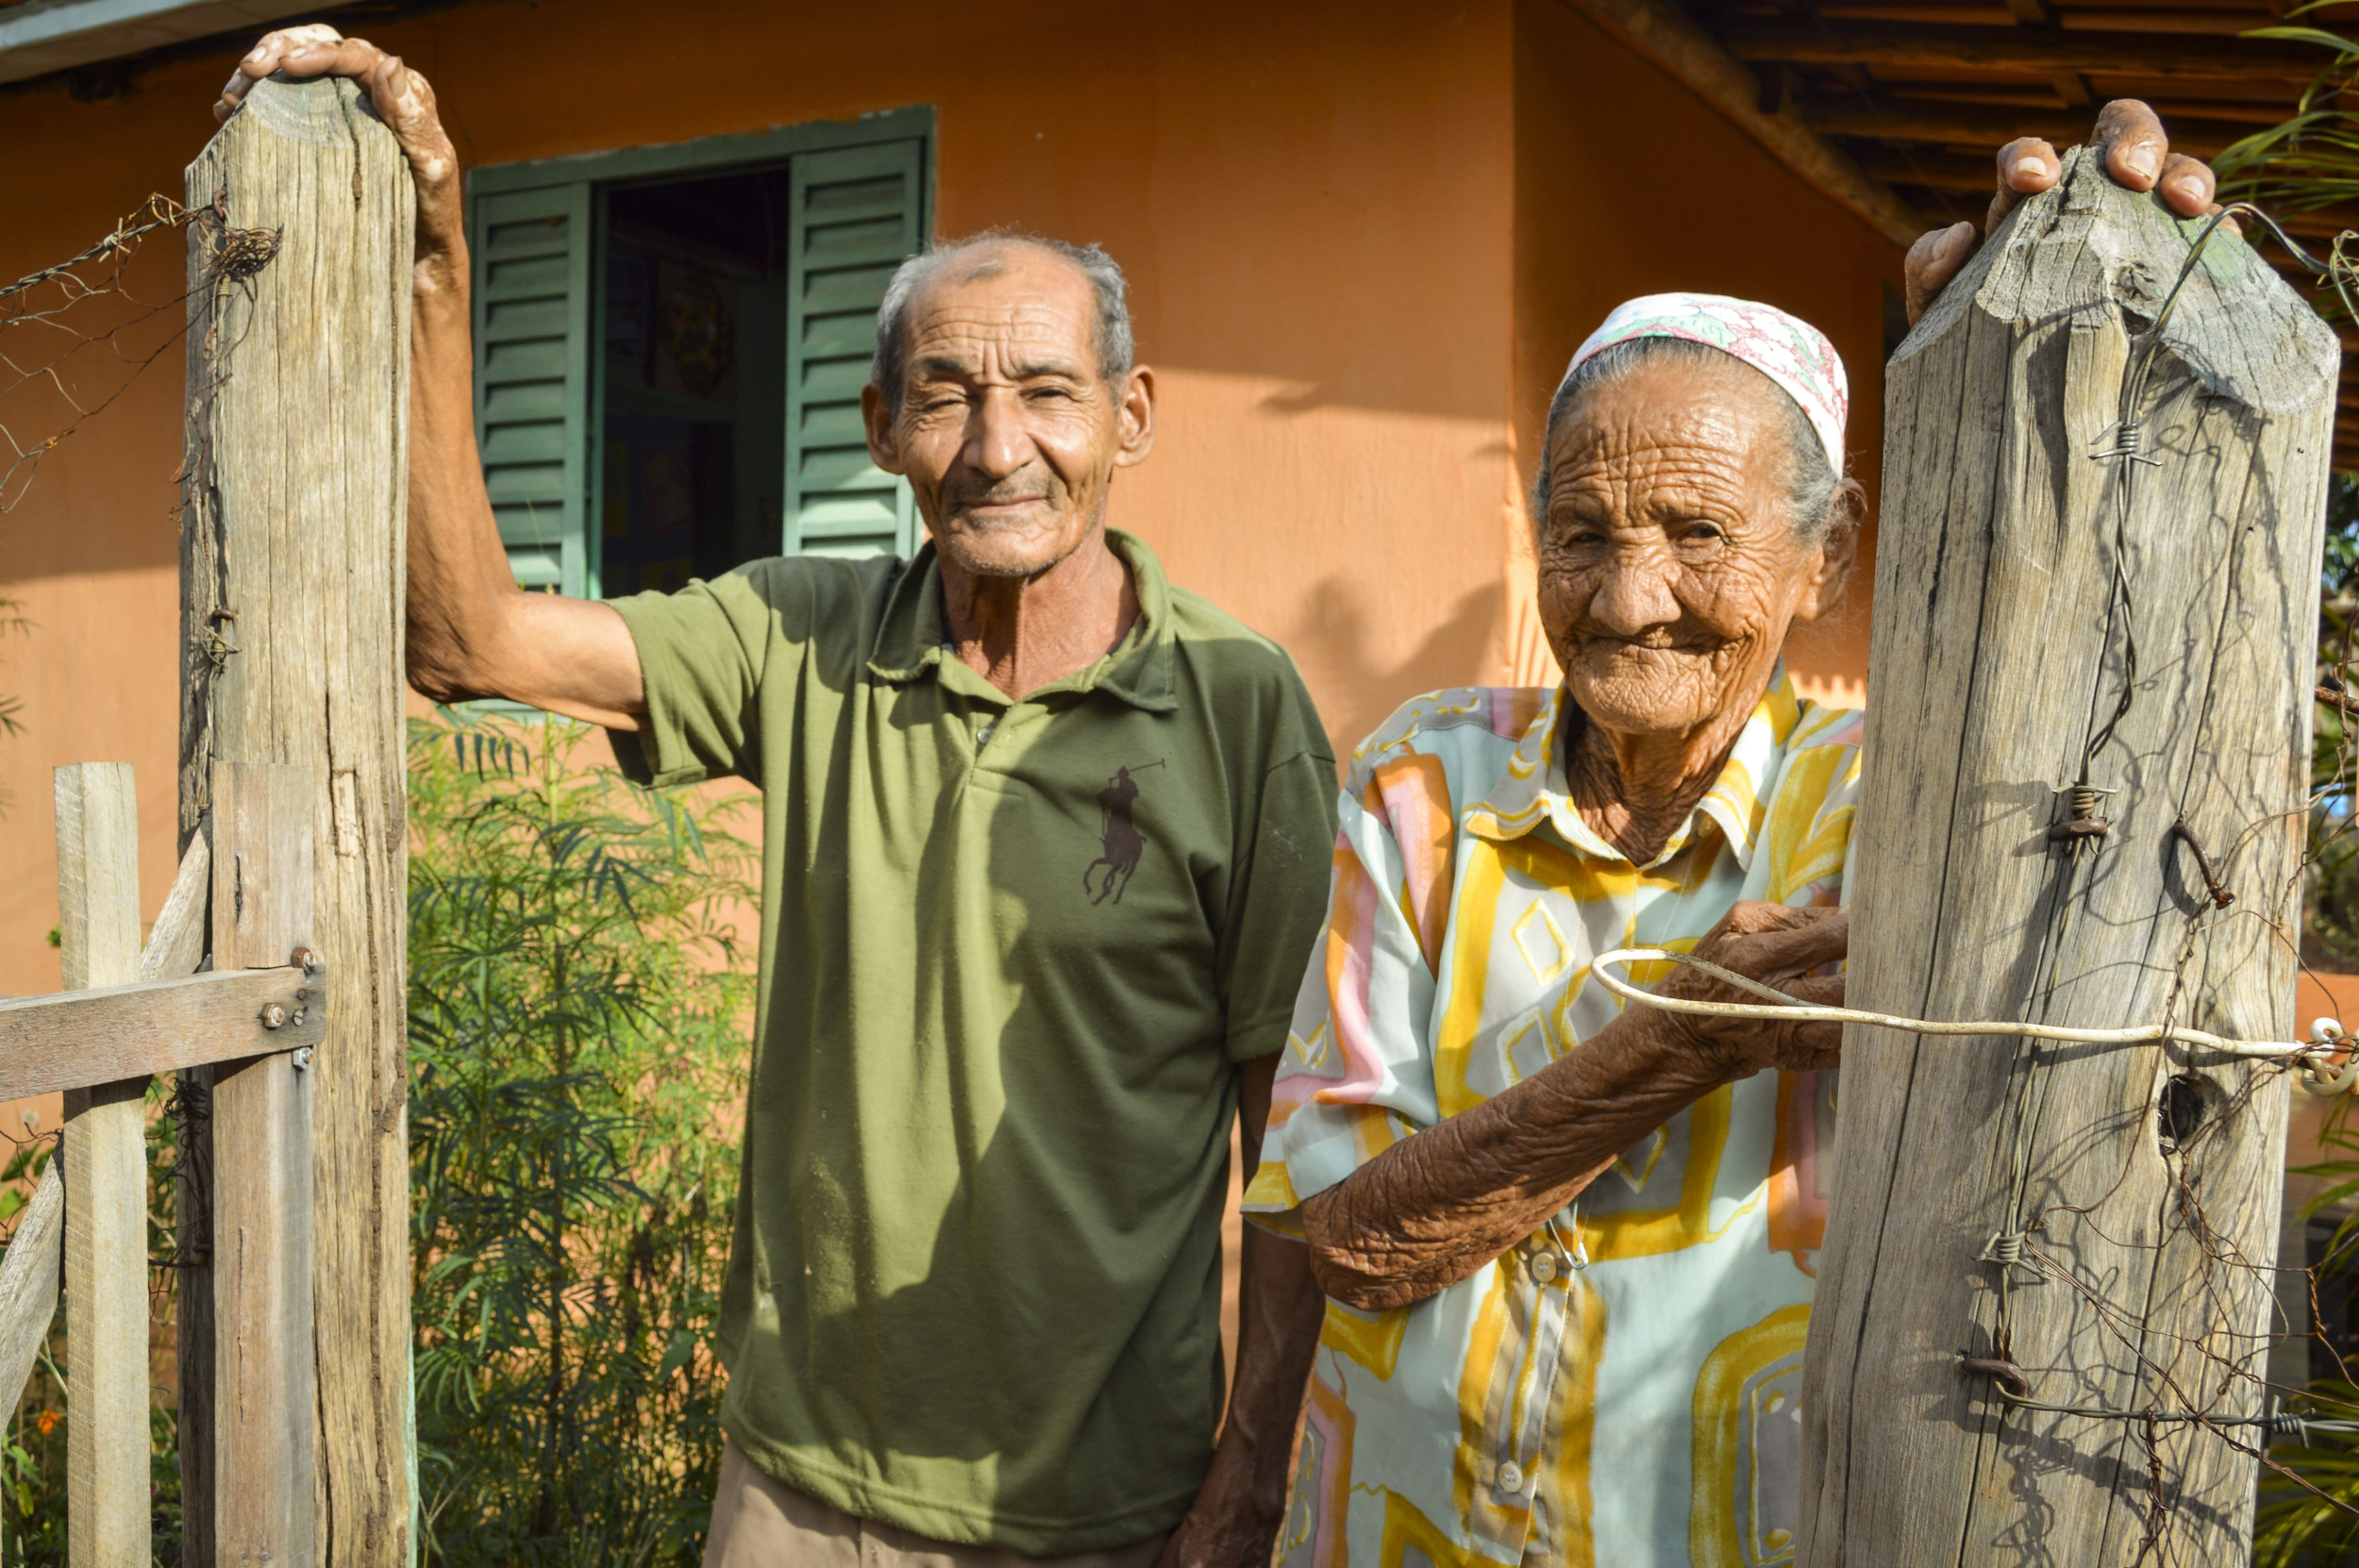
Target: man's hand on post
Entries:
(472, 632)
(2137, 155)
(403, 99)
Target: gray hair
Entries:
(1816, 497)
(1114, 348)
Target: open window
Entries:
(670, 343)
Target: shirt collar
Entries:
(912, 638)
(1533, 789)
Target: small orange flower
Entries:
(47, 1422)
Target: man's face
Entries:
(1669, 571)
(1005, 429)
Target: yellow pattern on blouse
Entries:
(1623, 1388)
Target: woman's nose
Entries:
(1634, 596)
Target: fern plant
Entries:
(578, 1024)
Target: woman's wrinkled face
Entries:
(1669, 571)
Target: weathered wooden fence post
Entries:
(291, 585)
(265, 1383)
(2138, 1187)
(105, 1186)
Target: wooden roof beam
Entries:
(1975, 125)
(1903, 45)
(1659, 31)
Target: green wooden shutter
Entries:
(857, 213)
(531, 257)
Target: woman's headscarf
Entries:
(1788, 349)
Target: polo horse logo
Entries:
(1123, 846)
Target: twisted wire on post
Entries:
(1784, 1009)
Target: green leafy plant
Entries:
(579, 1018)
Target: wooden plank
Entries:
(28, 1283)
(105, 1197)
(1992, 668)
(265, 1394)
(176, 943)
(1665, 34)
(1918, 46)
(67, 1040)
(298, 392)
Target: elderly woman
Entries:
(1571, 1247)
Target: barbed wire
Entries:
(49, 319)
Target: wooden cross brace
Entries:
(250, 1025)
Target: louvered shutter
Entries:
(856, 215)
(531, 257)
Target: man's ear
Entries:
(884, 446)
(1137, 416)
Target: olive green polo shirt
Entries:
(1012, 952)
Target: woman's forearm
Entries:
(1431, 1209)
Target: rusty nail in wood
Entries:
(272, 1015)
(2006, 1374)
(2221, 897)
(2078, 828)
(305, 960)
(223, 612)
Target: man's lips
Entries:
(1012, 503)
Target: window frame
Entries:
(597, 173)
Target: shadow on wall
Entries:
(1335, 639)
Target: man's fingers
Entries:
(2027, 166)
(2136, 147)
(2187, 186)
(303, 53)
(266, 56)
(1933, 261)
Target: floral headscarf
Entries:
(1788, 349)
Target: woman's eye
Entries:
(1701, 533)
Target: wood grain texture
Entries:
(265, 1391)
(176, 943)
(67, 1042)
(1991, 672)
(28, 1283)
(299, 387)
(105, 1195)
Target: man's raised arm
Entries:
(472, 631)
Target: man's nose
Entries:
(997, 442)
(1636, 596)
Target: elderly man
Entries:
(1045, 840)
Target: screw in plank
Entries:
(274, 1015)
(302, 1058)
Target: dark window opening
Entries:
(694, 377)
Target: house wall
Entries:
(1313, 203)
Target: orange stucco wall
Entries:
(1314, 202)
(1362, 239)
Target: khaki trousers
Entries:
(762, 1523)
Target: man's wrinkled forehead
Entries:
(1017, 312)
